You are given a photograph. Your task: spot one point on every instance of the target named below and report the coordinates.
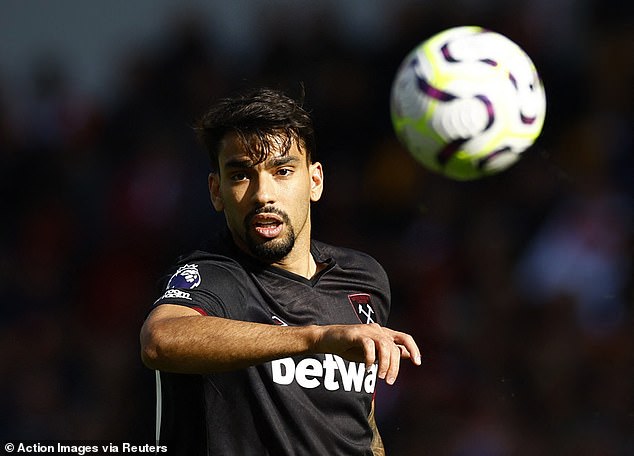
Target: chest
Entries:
(335, 298)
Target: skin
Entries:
(377, 443)
(286, 183)
(178, 339)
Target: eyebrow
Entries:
(243, 163)
(281, 161)
(239, 163)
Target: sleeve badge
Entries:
(186, 277)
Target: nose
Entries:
(263, 191)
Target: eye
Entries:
(237, 177)
(284, 172)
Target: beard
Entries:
(271, 250)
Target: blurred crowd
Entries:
(517, 287)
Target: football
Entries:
(467, 102)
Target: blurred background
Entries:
(517, 287)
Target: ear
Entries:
(214, 191)
(316, 181)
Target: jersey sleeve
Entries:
(204, 286)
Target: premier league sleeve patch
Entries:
(186, 277)
(171, 294)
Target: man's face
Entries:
(266, 205)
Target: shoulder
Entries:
(204, 269)
(344, 256)
(359, 272)
(349, 259)
(209, 282)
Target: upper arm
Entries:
(159, 314)
(170, 311)
(165, 312)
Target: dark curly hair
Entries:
(259, 117)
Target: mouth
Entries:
(267, 225)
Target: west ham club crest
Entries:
(362, 306)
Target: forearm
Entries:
(177, 339)
(197, 344)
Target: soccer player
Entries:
(265, 341)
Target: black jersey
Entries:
(302, 405)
